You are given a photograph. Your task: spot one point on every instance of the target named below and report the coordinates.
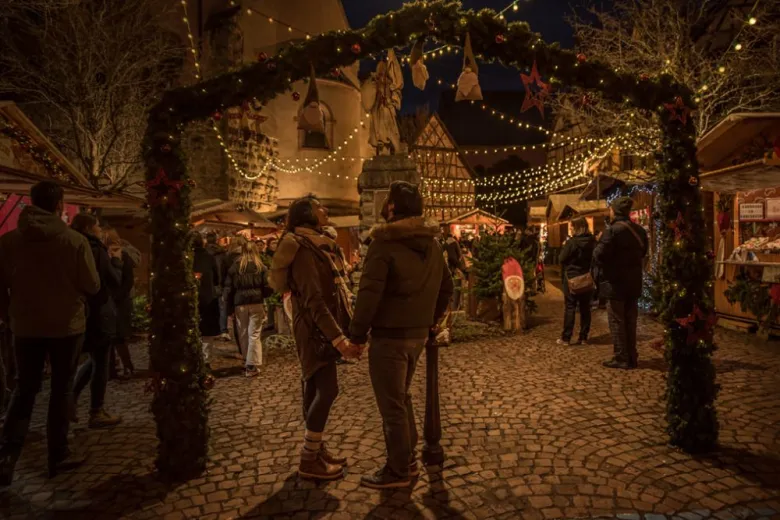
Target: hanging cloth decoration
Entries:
(536, 91)
(468, 82)
(312, 117)
(419, 70)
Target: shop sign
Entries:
(773, 209)
(751, 211)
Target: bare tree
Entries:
(87, 71)
(732, 64)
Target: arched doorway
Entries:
(180, 382)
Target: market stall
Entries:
(741, 164)
(474, 222)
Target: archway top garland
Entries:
(445, 20)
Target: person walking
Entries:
(576, 259)
(47, 272)
(231, 255)
(405, 289)
(247, 288)
(204, 265)
(308, 264)
(101, 324)
(131, 258)
(620, 256)
(220, 256)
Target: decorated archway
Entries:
(180, 383)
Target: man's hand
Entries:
(349, 350)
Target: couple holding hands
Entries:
(405, 289)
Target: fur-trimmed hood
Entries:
(414, 227)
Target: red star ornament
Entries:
(678, 111)
(534, 97)
(163, 190)
(679, 227)
(705, 331)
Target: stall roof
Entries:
(477, 216)
(20, 170)
(604, 182)
(537, 212)
(734, 133)
(582, 208)
(555, 203)
(229, 215)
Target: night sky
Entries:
(544, 16)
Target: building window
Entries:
(315, 140)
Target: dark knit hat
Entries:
(622, 206)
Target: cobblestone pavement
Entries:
(531, 430)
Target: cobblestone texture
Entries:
(531, 430)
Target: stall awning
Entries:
(477, 217)
(605, 181)
(583, 208)
(733, 134)
(228, 215)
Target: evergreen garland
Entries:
(180, 385)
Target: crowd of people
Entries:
(608, 269)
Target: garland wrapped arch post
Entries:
(180, 400)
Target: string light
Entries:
(272, 20)
(191, 39)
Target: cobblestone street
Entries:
(531, 430)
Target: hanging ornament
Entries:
(468, 82)
(693, 181)
(500, 38)
(356, 49)
(419, 70)
(262, 57)
(208, 382)
(678, 111)
(536, 91)
(166, 148)
(644, 77)
(312, 118)
(710, 255)
(336, 73)
(678, 226)
(216, 116)
(296, 96)
(581, 58)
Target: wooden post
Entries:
(433, 454)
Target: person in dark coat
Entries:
(47, 273)
(247, 288)
(308, 264)
(231, 255)
(576, 259)
(101, 324)
(131, 258)
(220, 255)
(620, 255)
(204, 265)
(405, 288)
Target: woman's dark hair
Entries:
(84, 223)
(301, 213)
(580, 225)
(406, 200)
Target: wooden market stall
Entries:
(475, 221)
(740, 161)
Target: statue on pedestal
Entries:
(381, 95)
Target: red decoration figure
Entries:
(774, 293)
(262, 57)
(356, 49)
(534, 98)
(500, 38)
(693, 181)
(216, 116)
(582, 58)
(162, 190)
(296, 96)
(705, 331)
(678, 111)
(678, 226)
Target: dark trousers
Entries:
(574, 302)
(391, 364)
(319, 393)
(95, 370)
(30, 357)
(623, 316)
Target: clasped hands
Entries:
(350, 350)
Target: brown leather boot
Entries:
(331, 458)
(318, 469)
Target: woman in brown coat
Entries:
(310, 265)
